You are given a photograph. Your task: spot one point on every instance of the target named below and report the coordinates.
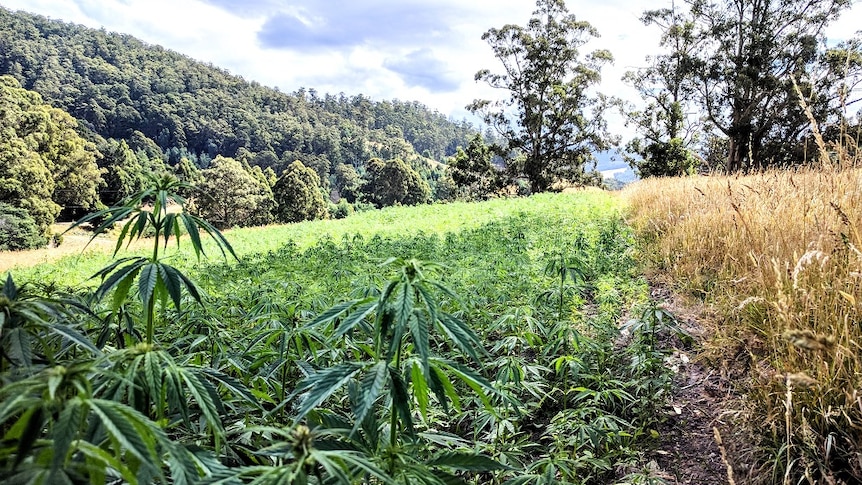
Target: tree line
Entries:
(46, 167)
(736, 85)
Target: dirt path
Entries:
(72, 244)
(688, 451)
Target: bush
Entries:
(18, 230)
(340, 210)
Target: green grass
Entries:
(388, 222)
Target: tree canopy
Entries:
(231, 196)
(558, 121)
(742, 60)
(297, 194)
(43, 162)
(394, 182)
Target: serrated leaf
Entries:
(401, 400)
(461, 335)
(356, 317)
(147, 282)
(420, 389)
(466, 462)
(369, 390)
(323, 384)
(28, 437)
(74, 336)
(172, 282)
(64, 432)
(236, 387)
(17, 344)
(332, 313)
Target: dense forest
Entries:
(143, 109)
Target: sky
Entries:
(411, 50)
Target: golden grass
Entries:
(778, 256)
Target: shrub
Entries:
(18, 230)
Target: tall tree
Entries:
(666, 130)
(230, 196)
(297, 194)
(347, 182)
(43, 161)
(749, 53)
(558, 123)
(393, 182)
(471, 169)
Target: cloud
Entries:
(422, 68)
(321, 25)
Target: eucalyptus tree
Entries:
(750, 53)
(551, 115)
(667, 131)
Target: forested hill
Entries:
(117, 85)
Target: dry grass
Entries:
(778, 256)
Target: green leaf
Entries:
(466, 462)
(105, 461)
(462, 336)
(333, 313)
(64, 432)
(147, 282)
(370, 388)
(128, 271)
(119, 421)
(10, 291)
(419, 331)
(170, 277)
(28, 438)
(357, 316)
(233, 385)
(401, 400)
(17, 345)
(74, 336)
(191, 287)
(420, 389)
(205, 402)
(354, 460)
(193, 232)
(122, 289)
(323, 384)
(442, 387)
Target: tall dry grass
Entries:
(778, 255)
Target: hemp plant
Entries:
(148, 212)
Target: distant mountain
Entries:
(609, 160)
(120, 87)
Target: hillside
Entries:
(117, 85)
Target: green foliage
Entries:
(17, 230)
(347, 182)
(340, 210)
(393, 182)
(471, 170)
(743, 62)
(231, 196)
(558, 120)
(666, 126)
(333, 362)
(166, 104)
(156, 279)
(298, 196)
(43, 161)
(663, 159)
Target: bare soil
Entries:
(689, 450)
(73, 243)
